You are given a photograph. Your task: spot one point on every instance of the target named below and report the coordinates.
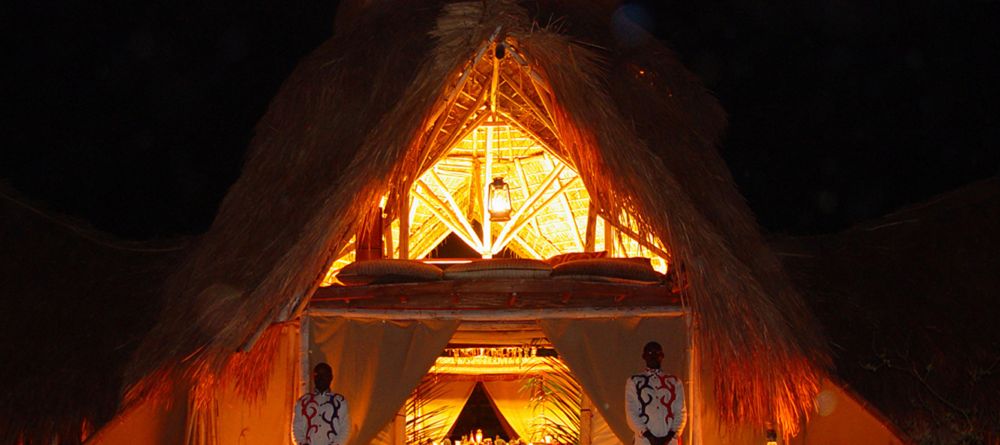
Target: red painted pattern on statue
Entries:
(307, 405)
(673, 396)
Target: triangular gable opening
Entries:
(495, 122)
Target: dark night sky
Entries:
(135, 116)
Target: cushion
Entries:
(499, 268)
(572, 256)
(388, 271)
(608, 269)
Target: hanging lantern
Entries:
(499, 200)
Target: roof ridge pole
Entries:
(486, 247)
(487, 250)
(516, 218)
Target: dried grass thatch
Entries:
(352, 124)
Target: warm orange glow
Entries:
(502, 126)
(499, 200)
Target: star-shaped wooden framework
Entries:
(496, 120)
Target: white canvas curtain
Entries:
(514, 404)
(603, 353)
(443, 401)
(376, 364)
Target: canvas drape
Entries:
(514, 404)
(444, 402)
(600, 431)
(376, 363)
(603, 353)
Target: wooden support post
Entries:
(609, 238)
(404, 227)
(591, 230)
(390, 251)
(370, 237)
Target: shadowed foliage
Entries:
(910, 302)
(75, 304)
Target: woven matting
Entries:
(499, 268)
(388, 271)
(619, 268)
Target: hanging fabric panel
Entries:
(600, 432)
(604, 353)
(376, 364)
(440, 403)
(514, 404)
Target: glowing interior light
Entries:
(499, 200)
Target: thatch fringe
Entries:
(348, 128)
(764, 365)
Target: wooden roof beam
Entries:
(431, 200)
(510, 229)
(568, 210)
(558, 153)
(544, 117)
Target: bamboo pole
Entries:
(543, 96)
(591, 235)
(509, 233)
(454, 226)
(524, 179)
(534, 197)
(524, 244)
(425, 250)
(452, 219)
(568, 210)
(404, 227)
(470, 67)
(642, 242)
(533, 108)
(485, 248)
(455, 209)
(531, 71)
(609, 238)
(497, 315)
(387, 239)
(494, 81)
(458, 134)
(555, 152)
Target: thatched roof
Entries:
(909, 301)
(74, 305)
(355, 122)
